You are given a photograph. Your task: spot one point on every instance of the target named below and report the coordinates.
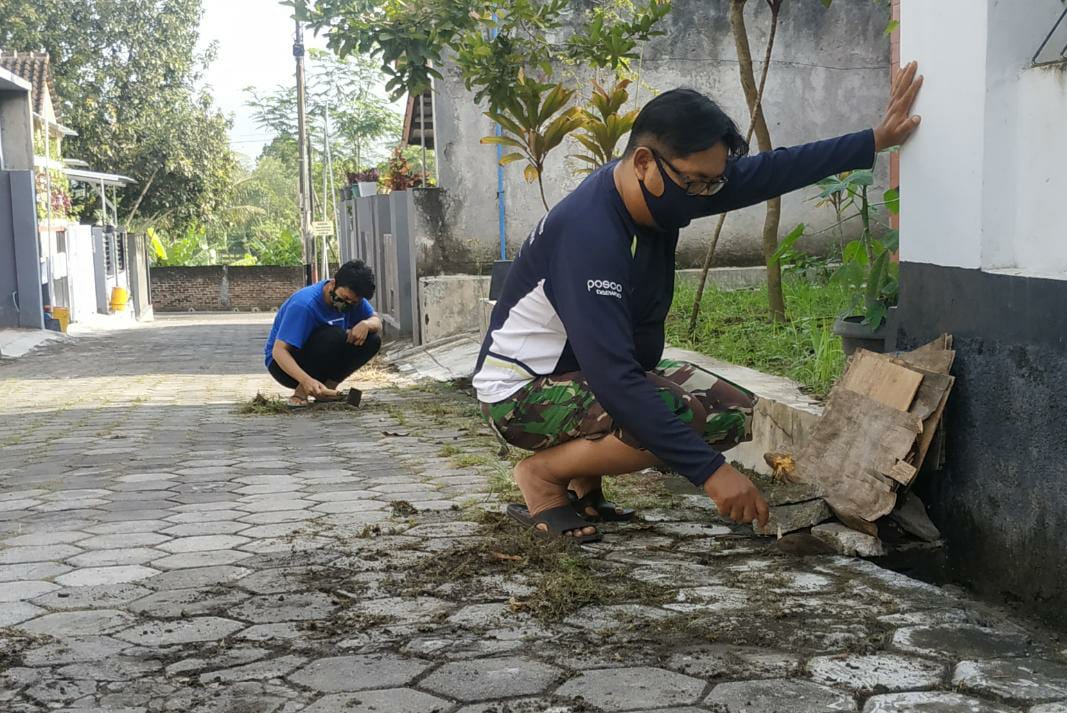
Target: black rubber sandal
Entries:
(606, 510)
(558, 520)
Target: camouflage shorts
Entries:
(555, 409)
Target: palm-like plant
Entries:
(534, 121)
(603, 126)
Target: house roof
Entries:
(413, 120)
(35, 68)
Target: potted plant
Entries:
(400, 175)
(366, 181)
(867, 269)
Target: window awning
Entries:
(108, 179)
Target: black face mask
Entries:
(339, 304)
(675, 209)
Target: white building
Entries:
(984, 256)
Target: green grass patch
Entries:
(262, 405)
(735, 326)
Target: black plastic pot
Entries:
(856, 335)
(497, 277)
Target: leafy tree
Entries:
(126, 73)
(500, 49)
(360, 120)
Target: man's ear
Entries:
(647, 171)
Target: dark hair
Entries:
(682, 122)
(356, 276)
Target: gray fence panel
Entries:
(376, 229)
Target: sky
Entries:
(255, 48)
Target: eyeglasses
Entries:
(693, 188)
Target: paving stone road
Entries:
(160, 551)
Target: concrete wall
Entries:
(987, 165)
(450, 305)
(220, 287)
(830, 75)
(984, 258)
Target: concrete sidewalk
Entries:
(161, 551)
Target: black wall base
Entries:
(1002, 499)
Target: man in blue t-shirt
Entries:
(323, 333)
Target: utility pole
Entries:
(325, 185)
(305, 186)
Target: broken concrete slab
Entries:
(794, 516)
(847, 541)
(910, 514)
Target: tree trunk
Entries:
(144, 191)
(776, 6)
(763, 137)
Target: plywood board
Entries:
(930, 425)
(879, 378)
(937, 356)
(857, 444)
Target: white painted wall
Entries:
(1040, 235)
(983, 180)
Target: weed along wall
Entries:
(218, 288)
(983, 257)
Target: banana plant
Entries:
(534, 121)
(603, 126)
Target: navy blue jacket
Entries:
(590, 291)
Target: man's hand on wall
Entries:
(899, 122)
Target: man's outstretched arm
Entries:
(755, 179)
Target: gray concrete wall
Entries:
(830, 75)
(450, 305)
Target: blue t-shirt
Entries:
(304, 312)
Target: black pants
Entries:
(327, 356)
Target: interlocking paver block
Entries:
(12, 613)
(778, 696)
(21, 591)
(485, 679)
(112, 558)
(959, 641)
(169, 633)
(42, 553)
(393, 700)
(78, 623)
(126, 540)
(617, 689)
(1013, 680)
(274, 608)
(357, 673)
(92, 576)
(188, 560)
(881, 672)
(931, 702)
(203, 543)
